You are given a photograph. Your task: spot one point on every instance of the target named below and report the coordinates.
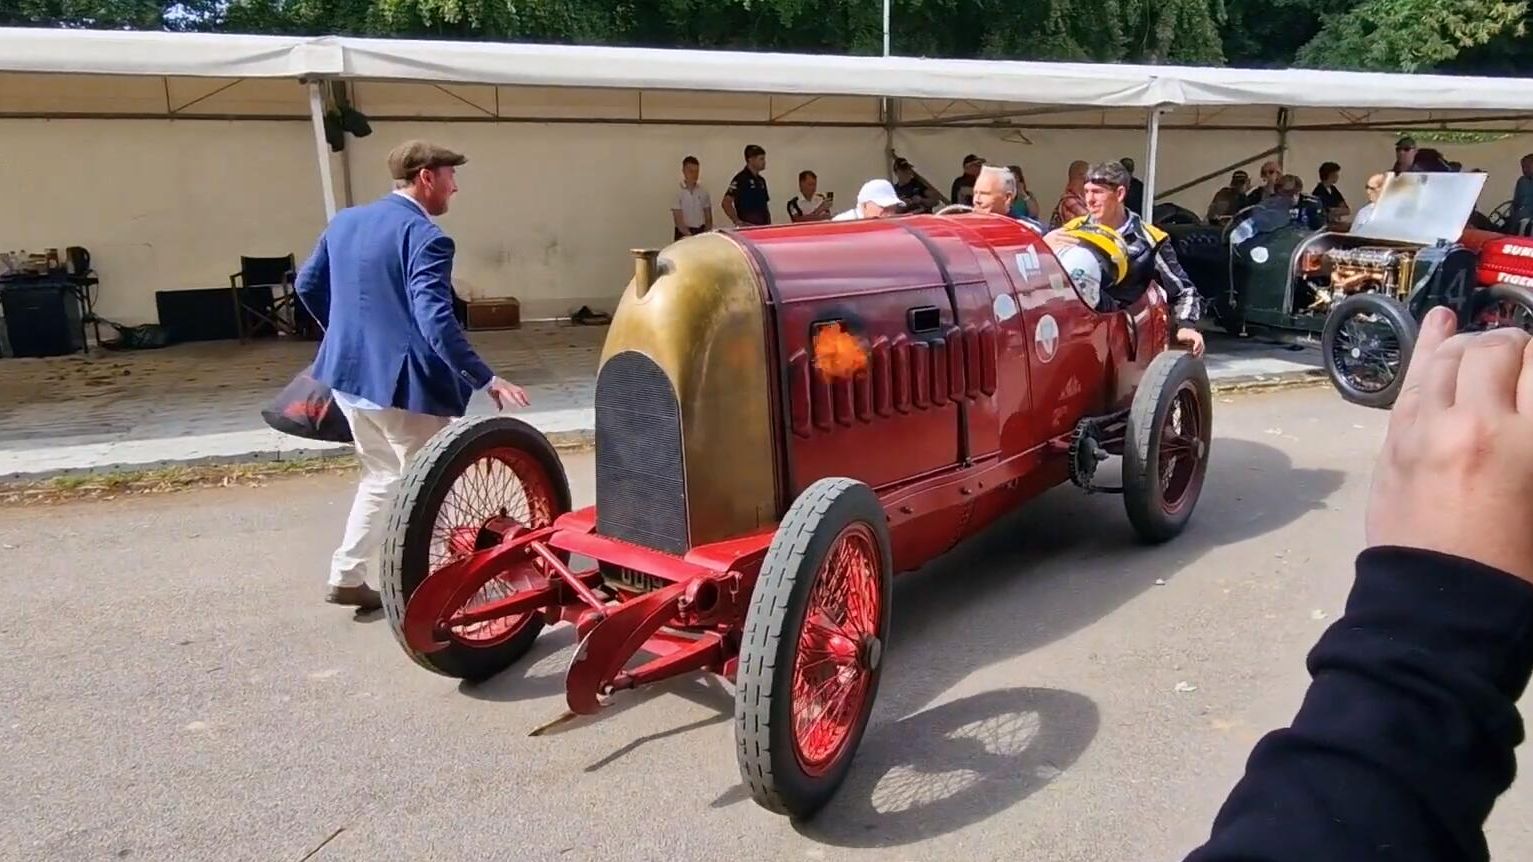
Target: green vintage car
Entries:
(1360, 294)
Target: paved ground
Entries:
(173, 690)
(198, 403)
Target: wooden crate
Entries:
(494, 314)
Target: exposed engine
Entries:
(1336, 273)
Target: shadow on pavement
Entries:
(957, 763)
(1057, 565)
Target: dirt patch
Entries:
(110, 486)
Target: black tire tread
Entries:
(1399, 318)
(1140, 469)
(428, 468)
(761, 641)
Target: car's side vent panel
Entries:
(903, 374)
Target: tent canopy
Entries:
(126, 53)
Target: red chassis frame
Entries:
(691, 620)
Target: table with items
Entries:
(46, 302)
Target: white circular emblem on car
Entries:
(1259, 254)
(1047, 337)
(1005, 307)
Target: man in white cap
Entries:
(876, 199)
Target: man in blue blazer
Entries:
(380, 281)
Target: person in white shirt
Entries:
(1375, 188)
(809, 205)
(876, 199)
(693, 212)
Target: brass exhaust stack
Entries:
(644, 269)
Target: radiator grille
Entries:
(640, 489)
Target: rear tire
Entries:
(1367, 342)
(831, 561)
(1166, 445)
(485, 445)
(1507, 306)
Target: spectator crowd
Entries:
(747, 201)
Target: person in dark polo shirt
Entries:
(963, 186)
(746, 200)
(917, 195)
(1330, 197)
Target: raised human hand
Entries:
(1456, 471)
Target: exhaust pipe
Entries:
(644, 269)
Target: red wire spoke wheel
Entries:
(811, 656)
(478, 482)
(1507, 305)
(1166, 445)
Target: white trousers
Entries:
(386, 440)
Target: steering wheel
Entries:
(951, 209)
(1502, 216)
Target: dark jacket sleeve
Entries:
(430, 290)
(312, 283)
(1405, 738)
(1186, 302)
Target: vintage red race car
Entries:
(785, 418)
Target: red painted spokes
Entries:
(1181, 448)
(832, 668)
(1506, 313)
(502, 484)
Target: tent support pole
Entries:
(348, 198)
(1152, 153)
(888, 107)
(886, 27)
(1282, 130)
(317, 117)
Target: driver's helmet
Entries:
(1093, 256)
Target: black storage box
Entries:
(42, 319)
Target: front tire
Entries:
(812, 652)
(472, 471)
(1166, 445)
(1368, 341)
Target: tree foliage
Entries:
(1488, 36)
(1410, 35)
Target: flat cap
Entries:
(412, 157)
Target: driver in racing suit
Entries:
(1149, 252)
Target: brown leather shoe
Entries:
(361, 597)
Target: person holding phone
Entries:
(809, 205)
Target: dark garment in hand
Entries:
(1405, 738)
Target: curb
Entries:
(1271, 382)
(565, 442)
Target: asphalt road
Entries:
(174, 689)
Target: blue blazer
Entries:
(380, 281)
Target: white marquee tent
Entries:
(98, 108)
